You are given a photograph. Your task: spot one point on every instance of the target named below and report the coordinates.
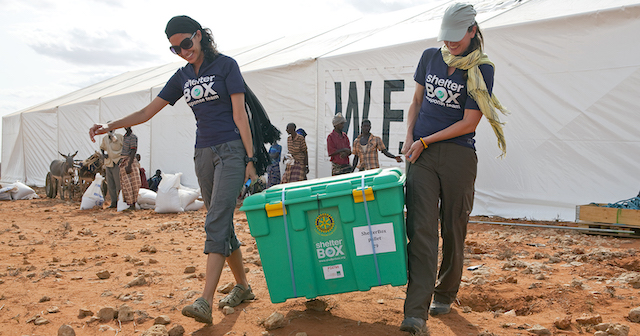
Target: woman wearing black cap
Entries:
(213, 87)
(453, 91)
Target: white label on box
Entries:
(383, 239)
(333, 272)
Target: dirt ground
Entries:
(52, 253)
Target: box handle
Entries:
(357, 195)
(274, 210)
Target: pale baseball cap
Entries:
(456, 20)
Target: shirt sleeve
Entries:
(380, 144)
(331, 146)
(421, 71)
(234, 80)
(172, 91)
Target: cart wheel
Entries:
(49, 186)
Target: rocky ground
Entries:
(65, 271)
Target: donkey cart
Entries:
(72, 177)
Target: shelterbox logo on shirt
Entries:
(444, 92)
(200, 90)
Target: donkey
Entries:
(61, 171)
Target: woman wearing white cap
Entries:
(453, 91)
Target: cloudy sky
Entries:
(53, 47)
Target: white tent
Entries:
(567, 70)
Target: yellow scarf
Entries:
(477, 89)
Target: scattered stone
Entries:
(575, 283)
(92, 319)
(634, 280)
(611, 329)
(563, 323)
(190, 269)
(104, 274)
(105, 327)
(129, 236)
(176, 330)
(634, 315)
(149, 249)
(40, 321)
(66, 330)
(274, 321)
(228, 310)
(84, 313)
(45, 299)
(53, 310)
(106, 314)
(301, 334)
(467, 309)
(138, 281)
(539, 330)
(486, 333)
(510, 313)
(593, 319)
(156, 330)
(162, 319)
(316, 304)
(226, 288)
(381, 301)
(125, 313)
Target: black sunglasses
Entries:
(185, 44)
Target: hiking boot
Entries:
(439, 308)
(238, 295)
(415, 325)
(200, 310)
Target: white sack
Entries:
(168, 198)
(187, 196)
(92, 197)
(23, 192)
(5, 192)
(147, 198)
(194, 206)
(122, 205)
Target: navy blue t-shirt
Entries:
(209, 96)
(445, 96)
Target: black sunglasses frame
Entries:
(187, 43)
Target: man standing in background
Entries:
(112, 144)
(339, 147)
(366, 147)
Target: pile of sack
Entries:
(171, 196)
(16, 191)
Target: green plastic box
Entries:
(323, 244)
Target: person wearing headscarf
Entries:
(454, 85)
(213, 87)
(339, 147)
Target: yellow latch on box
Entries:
(275, 210)
(357, 195)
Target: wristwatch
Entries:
(248, 159)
